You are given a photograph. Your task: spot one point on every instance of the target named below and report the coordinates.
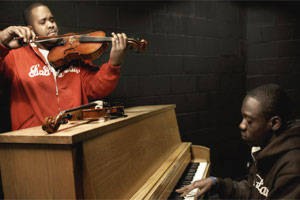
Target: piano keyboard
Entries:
(193, 172)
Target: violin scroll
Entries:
(52, 124)
(138, 45)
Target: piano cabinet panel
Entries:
(131, 155)
(38, 172)
(200, 153)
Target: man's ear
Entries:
(276, 123)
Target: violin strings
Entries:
(47, 39)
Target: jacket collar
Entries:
(37, 52)
(287, 140)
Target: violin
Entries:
(88, 46)
(93, 111)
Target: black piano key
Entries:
(193, 165)
(185, 179)
(189, 178)
(175, 196)
(192, 170)
(190, 173)
(186, 182)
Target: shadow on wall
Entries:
(4, 109)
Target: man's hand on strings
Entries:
(118, 49)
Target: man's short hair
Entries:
(27, 12)
(274, 100)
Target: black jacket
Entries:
(274, 173)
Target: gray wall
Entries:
(273, 37)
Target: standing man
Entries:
(39, 90)
(275, 139)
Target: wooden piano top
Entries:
(88, 160)
(78, 131)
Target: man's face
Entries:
(255, 128)
(42, 21)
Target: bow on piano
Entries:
(137, 157)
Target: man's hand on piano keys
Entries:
(197, 188)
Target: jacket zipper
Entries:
(56, 90)
(55, 74)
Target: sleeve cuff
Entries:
(114, 68)
(3, 50)
(214, 180)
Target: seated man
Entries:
(268, 127)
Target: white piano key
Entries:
(198, 175)
(200, 171)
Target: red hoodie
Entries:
(36, 93)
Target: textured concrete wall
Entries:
(273, 36)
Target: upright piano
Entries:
(140, 156)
